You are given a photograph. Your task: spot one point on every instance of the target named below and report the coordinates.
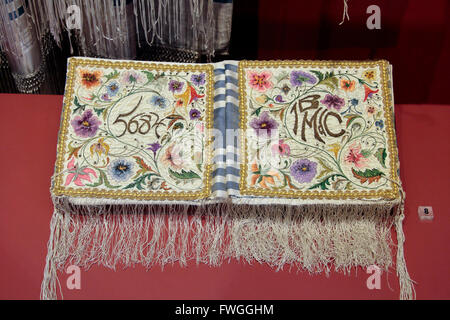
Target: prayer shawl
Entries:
(280, 162)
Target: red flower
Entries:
(368, 92)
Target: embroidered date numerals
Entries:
(318, 121)
(140, 123)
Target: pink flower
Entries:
(281, 148)
(76, 175)
(355, 156)
(259, 81)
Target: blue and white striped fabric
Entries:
(225, 175)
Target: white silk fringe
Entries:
(311, 238)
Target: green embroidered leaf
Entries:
(325, 183)
(79, 107)
(381, 156)
(319, 74)
(331, 82)
(326, 169)
(99, 111)
(150, 76)
(112, 75)
(103, 179)
(257, 112)
(370, 175)
(73, 151)
(137, 183)
(365, 153)
(184, 175)
(351, 118)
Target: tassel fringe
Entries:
(311, 238)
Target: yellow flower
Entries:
(370, 75)
(262, 99)
(100, 147)
(335, 147)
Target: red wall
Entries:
(414, 37)
(28, 137)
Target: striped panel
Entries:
(226, 168)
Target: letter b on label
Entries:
(74, 280)
(374, 281)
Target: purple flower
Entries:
(175, 86)
(198, 79)
(86, 125)
(303, 170)
(264, 124)
(279, 98)
(105, 97)
(332, 101)
(194, 114)
(298, 77)
(154, 147)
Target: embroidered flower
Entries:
(355, 157)
(175, 86)
(368, 92)
(264, 124)
(159, 101)
(105, 97)
(179, 103)
(100, 147)
(173, 157)
(154, 147)
(263, 178)
(370, 75)
(198, 79)
(121, 169)
(90, 79)
(379, 124)
(285, 88)
(279, 98)
(348, 85)
(371, 110)
(260, 81)
(354, 102)
(281, 149)
(131, 76)
(303, 170)
(262, 99)
(298, 77)
(333, 101)
(77, 175)
(86, 125)
(112, 88)
(194, 114)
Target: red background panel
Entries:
(28, 134)
(414, 37)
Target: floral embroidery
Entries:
(264, 125)
(121, 169)
(322, 129)
(77, 175)
(299, 77)
(86, 125)
(332, 101)
(175, 86)
(198, 79)
(138, 130)
(303, 170)
(260, 81)
(100, 148)
(281, 149)
(194, 114)
(347, 85)
(90, 79)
